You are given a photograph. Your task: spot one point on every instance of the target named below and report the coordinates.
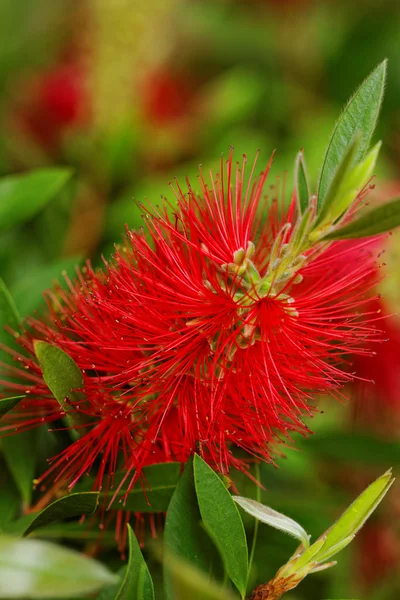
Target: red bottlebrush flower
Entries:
(378, 554)
(377, 401)
(165, 96)
(221, 326)
(57, 100)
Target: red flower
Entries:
(376, 389)
(165, 96)
(378, 554)
(55, 101)
(213, 332)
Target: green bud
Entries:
(355, 182)
(355, 516)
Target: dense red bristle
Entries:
(180, 356)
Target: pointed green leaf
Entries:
(378, 220)
(73, 505)
(223, 522)
(355, 516)
(63, 378)
(274, 519)
(340, 176)
(188, 582)
(360, 114)
(183, 535)
(301, 183)
(356, 181)
(7, 404)
(23, 196)
(340, 534)
(36, 569)
(137, 583)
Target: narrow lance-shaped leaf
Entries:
(301, 183)
(137, 583)
(360, 114)
(274, 519)
(314, 558)
(183, 534)
(73, 505)
(341, 174)
(23, 196)
(355, 516)
(223, 522)
(355, 182)
(7, 404)
(63, 378)
(378, 220)
(36, 569)
(347, 191)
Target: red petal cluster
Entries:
(181, 350)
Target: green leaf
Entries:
(223, 522)
(183, 535)
(7, 404)
(355, 182)
(189, 582)
(340, 176)
(23, 196)
(155, 493)
(74, 505)
(21, 457)
(340, 534)
(360, 114)
(36, 569)
(301, 183)
(274, 519)
(63, 378)
(378, 220)
(355, 516)
(137, 583)
(8, 316)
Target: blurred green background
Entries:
(123, 96)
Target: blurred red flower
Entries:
(53, 101)
(165, 96)
(378, 554)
